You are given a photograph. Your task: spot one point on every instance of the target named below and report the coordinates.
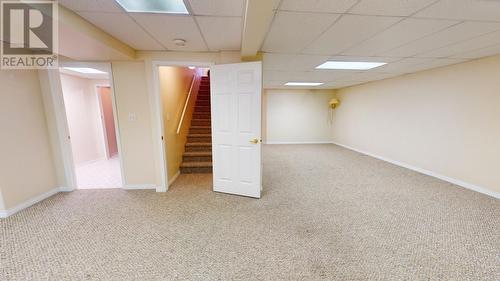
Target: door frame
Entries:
(62, 120)
(158, 109)
(101, 117)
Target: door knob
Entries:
(254, 141)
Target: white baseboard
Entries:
(139, 186)
(171, 181)
(28, 203)
(298, 142)
(65, 189)
(427, 172)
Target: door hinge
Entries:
(161, 137)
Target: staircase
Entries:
(197, 156)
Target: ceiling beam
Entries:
(258, 18)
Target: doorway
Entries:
(231, 113)
(91, 121)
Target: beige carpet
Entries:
(327, 213)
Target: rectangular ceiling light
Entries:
(350, 65)
(303, 84)
(154, 6)
(85, 70)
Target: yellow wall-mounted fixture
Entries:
(334, 103)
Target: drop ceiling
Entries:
(409, 35)
(156, 32)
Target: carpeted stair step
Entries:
(201, 122)
(200, 130)
(202, 103)
(202, 115)
(201, 109)
(196, 167)
(198, 146)
(197, 156)
(203, 98)
(199, 138)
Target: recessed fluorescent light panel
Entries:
(303, 84)
(86, 70)
(154, 6)
(350, 65)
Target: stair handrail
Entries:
(186, 104)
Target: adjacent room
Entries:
(89, 110)
(273, 140)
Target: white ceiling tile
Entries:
(221, 33)
(367, 76)
(454, 34)
(404, 32)
(339, 85)
(166, 28)
(485, 10)
(218, 7)
(480, 42)
(401, 65)
(432, 64)
(390, 7)
(291, 32)
(479, 53)
(124, 28)
(364, 59)
(273, 61)
(108, 6)
(305, 76)
(347, 31)
(320, 6)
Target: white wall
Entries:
(446, 121)
(26, 165)
(297, 116)
(134, 121)
(83, 114)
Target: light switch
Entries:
(132, 117)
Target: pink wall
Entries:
(109, 121)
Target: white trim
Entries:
(427, 172)
(57, 100)
(139, 186)
(298, 142)
(65, 189)
(101, 118)
(157, 109)
(28, 203)
(171, 181)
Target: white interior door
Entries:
(236, 128)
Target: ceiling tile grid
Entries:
(234, 8)
(153, 32)
(409, 35)
(221, 33)
(290, 32)
(181, 27)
